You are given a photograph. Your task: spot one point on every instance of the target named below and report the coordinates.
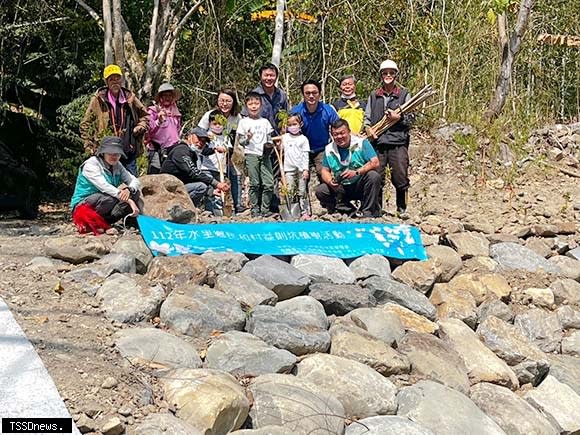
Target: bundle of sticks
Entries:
(410, 106)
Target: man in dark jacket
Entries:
(392, 146)
(183, 162)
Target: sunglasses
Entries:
(389, 73)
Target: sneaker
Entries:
(256, 213)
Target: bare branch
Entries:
(92, 13)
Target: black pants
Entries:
(110, 208)
(367, 189)
(397, 158)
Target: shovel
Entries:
(227, 205)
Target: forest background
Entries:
(52, 57)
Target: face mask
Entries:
(218, 129)
(294, 129)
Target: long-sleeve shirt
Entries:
(164, 133)
(181, 162)
(316, 124)
(296, 149)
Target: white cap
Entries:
(388, 64)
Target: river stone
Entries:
(287, 330)
(163, 424)
(172, 272)
(569, 317)
(420, 275)
(43, 265)
(469, 244)
(135, 246)
(156, 348)
(541, 327)
(197, 311)
(566, 290)
(386, 425)
(539, 245)
(512, 413)
(295, 404)
(118, 262)
(242, 354)
(481, 363)
(362, 391)
(541, 297)
(514, 256)
(510, 344)
(558, 402)
(410, 320)
(225, 262)
(306, 308)
(86, 279)
(574, 254)
(166, 198)
(280, 277)
(432, 359)
(386, 290)
(323, 269)
(246, 290)
(454, 303)
(340, 299)
(358, 345)
(210, 400)
(267, 430)
(481, 265)
(566, 369)
(482, 286)
(544, 230)
(444, 410)
(76, 249)
(571, 344)
(380, 324)
(494, 307)
(370, 265)
(130, 298)
(569, 268)
(447, 261)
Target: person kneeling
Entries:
(105, 191)
(349, 172)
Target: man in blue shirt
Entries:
(317, 118)
(349, 172)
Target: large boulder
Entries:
(165, 197)
(454, 303)
(420, 275)
(306, 308)
(410, 320)
(512, 413)
(514, 256)
(243, 354)
(117, 262)
(76, 249)
(135, 246)
(569, 268)
(569, 317)
(566, 369)
(361, 390)
(383, 325)
(323, 269)
(444, 410)
(162, 424)
(370, 265)
(340, 299)
(86, 279)
(494, 307)
(469, 244)
(224, 263)
(172, 272)
(542, 328)
(571, 344)
(280, 277)
(482, 286)
(566, 290)
(246, 290)
(447, 261)
(210, 400)
(386, 425)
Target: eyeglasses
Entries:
(389, 73)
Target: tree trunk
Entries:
(118, 34)
(108, 26)
(278, 33)
(168, 68)
(509, 52)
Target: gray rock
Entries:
(287, 330)
(361, 390)
(41, 265)
(156, 348)
(224, 263)
(197, 311)
(324, 269)
(267, 430)
(76, 249)
(135, 246)
(566, 369)
(574, 254)
(162, 424)
(514, 256)
(420, 275)
(295, 404)
(447, 261)
(280, 277)
(242, 354)
(370, 265)
(340, 299)
(181, 270)
(130, 298)
(386, 425)
(541, 327)
(541, 297)
(494, 307)
(118, 262)
(454, 303)
(558, 402)
(112, 426)
(482, 286)
(86, 279)
(444, 410)
(358, 345)
(571, 344)
(569, 268)
(469, 244)
(411, 321)
(569, 317)
(566, 290)
(539, 245)
(245, 290)
(449, 132)
(512, 413)
(432, 359)
(306, 308)
(386, 290)
(381, 324)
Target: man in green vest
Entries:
(349, 172)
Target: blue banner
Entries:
(342, 240)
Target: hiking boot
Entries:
(256, 213)
(402, 197)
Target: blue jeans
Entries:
(197, 191)
(130, 164)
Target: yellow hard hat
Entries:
(110, 70)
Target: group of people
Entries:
(264, 141)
